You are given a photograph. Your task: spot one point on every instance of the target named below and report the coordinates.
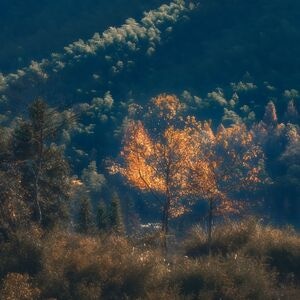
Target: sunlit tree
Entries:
(153, 159)
(225, 165)
(270, 116)
(181, 160)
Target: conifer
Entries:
(85, 218)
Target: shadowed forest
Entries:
(149, 150)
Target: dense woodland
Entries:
(145, 163)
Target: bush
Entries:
(279, 249)
(226, 238)
(22, 253)
(234, 277)
(17, 286)
(82, 267)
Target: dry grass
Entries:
(279, 249)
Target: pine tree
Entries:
(291, 114)
(44, 169)
(14, 211)
(85, 216)
(93, 180)
(131, 216)
(270, 116)
(115, 218)
(102, 218)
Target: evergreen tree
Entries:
(115, 215)
(44, 169)
(131, 216)
(85, 216)
(270, 116)
(14, 211)
(291, 114)
(102, 218)
(93, 180)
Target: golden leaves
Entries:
(167, 105)
(189, 161)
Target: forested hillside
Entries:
(153, 139)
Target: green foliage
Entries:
(93, 181)
(102, 218)
(114, 214)
(85, 216)
(43, 168)
(22, 253)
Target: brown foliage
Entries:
(18, 286)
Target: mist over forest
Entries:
(148, 144)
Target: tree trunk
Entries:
(38, 172)
(210, 223)
(37, 199)
(165, 224)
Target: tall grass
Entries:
(279, 249)
(247, 261)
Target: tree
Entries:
(85, 216)
(291, 114)
(224, 167)
(155, 160)
(102, 218)
(114, 215)
(45, 171)
(14, 211)
(92, 180)
(182, 159)
(270, 116)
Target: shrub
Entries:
(234, 277)
(76, 266)
(280, 249)
(22, 253)
(16, 286)
(226, 238)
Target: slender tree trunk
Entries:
(210, 224)
(37, 199)
(165, 224)
(37, 175)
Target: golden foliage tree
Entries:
(181, 159)
(224, 166)
(155, 160)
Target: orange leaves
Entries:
(167, 106)
(227, 163)
(185, 160)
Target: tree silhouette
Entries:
(85, 216)
(42, 164)
(102, 217)
(114, 215)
